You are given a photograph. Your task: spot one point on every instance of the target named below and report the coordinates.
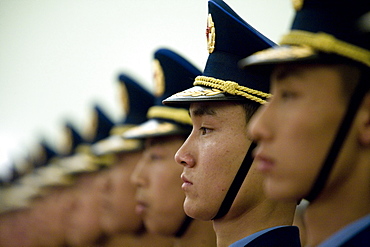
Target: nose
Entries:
(183, 156)
(137, 177)
(257, 129)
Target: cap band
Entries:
(232, 88)
(327, 43)
(120, 129)
(179, 115)
(83, 148)
(104, 160)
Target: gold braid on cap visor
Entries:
(120, 129)
(232, 88)
(327, 43)
(179, 115)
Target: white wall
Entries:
(57, 57)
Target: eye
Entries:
(205, 130)
(287, 94)
(154, 157)
(151, 156)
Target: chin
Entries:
(281, 192)
(199, 213)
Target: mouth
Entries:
(186, 183)
(264, 163)
(106, 206)
(140, 207)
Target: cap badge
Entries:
(297, 4)
(66, 143)
(92, 126)
(124, 98)
(39, 155)
(211, 34)
(205, 92)
(158, 78)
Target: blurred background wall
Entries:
(58, 57)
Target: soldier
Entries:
(220, 180)
(83, 226)
(157, 177)
(117, 198)
(19, 201)
(51, 204)
(15, 213)
(314, 134)
(49, 210)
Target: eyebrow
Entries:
(202, 110)
(284, 71)
(154, 141)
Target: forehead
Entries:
(284, 71)
(215, 108)
(126, 155)
(162, 140)
(308, 71)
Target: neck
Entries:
(348, 199)
(267, 214)
(143, 239)
(199, 233)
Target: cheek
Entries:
(166, 185)
(166, 180)
(122, 185)
(303, 148)
(304, 142)
(89, 208)
(219, 165)
(123, 199)
(223, 156)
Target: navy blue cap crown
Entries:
(338, 18)
(138, 100)
(102, 126)
(43, 155)
(178, 73)
(15, 174)
(230, 39)
(234, 40)
(73, 139)
(172, 73)
(323, 30)
(37, 158)
(135, 101)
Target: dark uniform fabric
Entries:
(360, 239)
(283, 236)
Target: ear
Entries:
(365, 122)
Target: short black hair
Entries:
(250, 107)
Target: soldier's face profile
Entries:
(211, 155)
(51, 212)
(295, 129)
(83, 226)
(117, 203)
(157, 178)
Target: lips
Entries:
(264, 163)
(106, 206)
(141, 207)
(186, 183)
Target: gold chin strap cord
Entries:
(232, 88)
